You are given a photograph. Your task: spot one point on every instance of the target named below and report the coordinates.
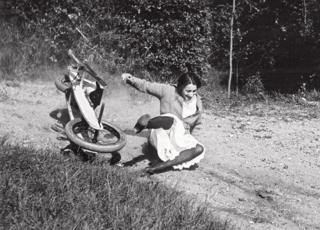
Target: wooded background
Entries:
(276, 44)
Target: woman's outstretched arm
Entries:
(152, 88)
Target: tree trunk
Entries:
(231, 47)
(305, 17)
(237, 79)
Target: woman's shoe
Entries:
(142, 123)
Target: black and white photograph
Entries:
(167, 114)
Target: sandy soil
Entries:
(261, 170)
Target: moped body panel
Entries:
(85, 108)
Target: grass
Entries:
(24, 53)
(44, 190)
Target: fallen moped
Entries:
(83, 90)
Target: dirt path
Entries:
(259, 172)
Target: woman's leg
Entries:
(160, 122)
(184, 156)
(145, 121)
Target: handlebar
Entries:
(71, 54)
(87, 68)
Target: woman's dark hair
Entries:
(186, 79)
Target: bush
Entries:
(165, 37)
(254, 84)
(22, 50)
(129, 35)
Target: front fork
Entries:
(96, 133)
(74, 112)
(72, 106)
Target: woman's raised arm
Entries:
(152, 88)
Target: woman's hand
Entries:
(126, 77)
(192, 120)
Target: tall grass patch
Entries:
(24, 52)
(44, 190)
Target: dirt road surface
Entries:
(261, 169)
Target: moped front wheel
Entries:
(63, 83)
(110, 139)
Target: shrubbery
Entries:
(163, 38)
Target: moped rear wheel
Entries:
(63, 83)
(111, 138)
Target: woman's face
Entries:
(189, 91)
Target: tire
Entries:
(81, 134)
(62, 83)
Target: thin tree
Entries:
(231, 47)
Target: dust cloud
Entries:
(124, 104)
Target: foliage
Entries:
(21, 50)
(42, 190)
(136, 35)
(166, 37)
(279, 39)
(254, 84)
